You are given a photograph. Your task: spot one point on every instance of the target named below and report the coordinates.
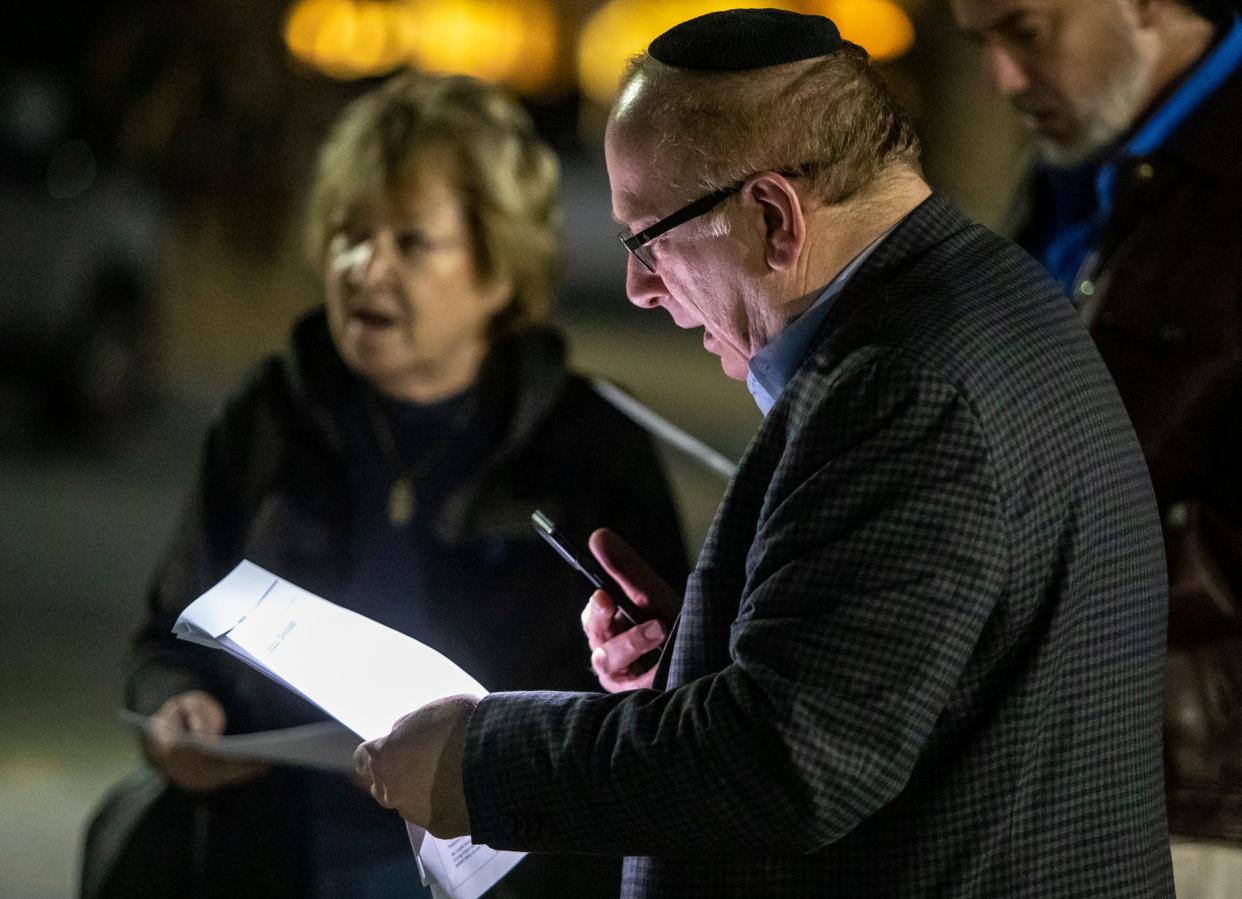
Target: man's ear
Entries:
(784, 224)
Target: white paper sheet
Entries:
(460, 869)
(326, 745)
(335, 658)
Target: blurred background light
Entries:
(519, 44)
(621, 29)
(514, 43)
(497, 41)
(882, 27)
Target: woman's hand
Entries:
(200, 714)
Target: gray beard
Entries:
(1112, 115)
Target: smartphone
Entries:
(587, 565)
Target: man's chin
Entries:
(1066, 150)
(1066, 155)
(733, 365)
(734, 368)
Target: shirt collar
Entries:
(775, 364)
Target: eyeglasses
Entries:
(637, 244)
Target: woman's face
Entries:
(406, 306)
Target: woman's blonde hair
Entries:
(506, 176)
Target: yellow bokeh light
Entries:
(370, 38)
(490, 39)
(496, 41)
(333, 43)
(303, 24)
(622, 29)
(516, 43)
(881, 27)
(402, 32)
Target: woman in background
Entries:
(389, 461)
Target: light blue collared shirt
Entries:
(775, 364)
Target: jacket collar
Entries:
(531, 364)
(930, 224)
(321, 383)
(1207, 141)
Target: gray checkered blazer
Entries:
(921, 652)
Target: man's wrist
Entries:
(448, 791)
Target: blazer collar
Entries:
(930, 224)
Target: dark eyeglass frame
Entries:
(636, 244)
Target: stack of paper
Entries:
(363, 674)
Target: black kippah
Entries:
(740, 39)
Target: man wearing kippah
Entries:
(1134, 205)
(920, 654)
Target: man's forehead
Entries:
(631, 173)
(623, 208)
(628, 99)
(631, 200)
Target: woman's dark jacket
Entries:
(274, 487)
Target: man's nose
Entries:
(1004, 71)
(644, 288)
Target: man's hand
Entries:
(200, 714)
(615, 646)
(417, 769)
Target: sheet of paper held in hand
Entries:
(336, 659)
(325, 745)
